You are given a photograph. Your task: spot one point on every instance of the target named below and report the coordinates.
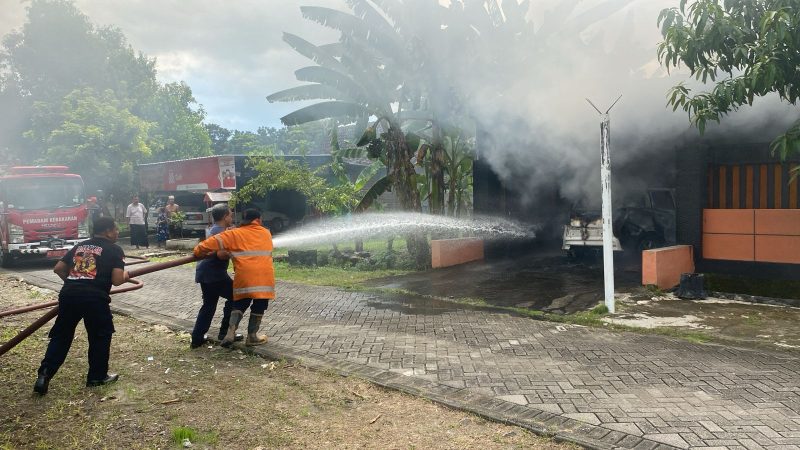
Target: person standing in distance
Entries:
(212, 274)
(136, 213)
(88, 270)
(250, 247)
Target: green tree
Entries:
(248, 143)
(96, 135)
(55, 52)
(178, 130)
(749, 48)
(277, 174)
(58, 50)
(54, 73)
(219, 138)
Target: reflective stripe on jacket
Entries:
(250, 247)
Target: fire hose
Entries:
(134, 285)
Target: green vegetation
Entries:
(748, 48)
(277, 174)
(754, 286)
(374, 245)
(338, 276)
(195, 437)
(80, 95)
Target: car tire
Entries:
(276, 225)
(649, 241)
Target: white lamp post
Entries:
(605, 182)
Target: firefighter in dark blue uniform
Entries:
(88, 270)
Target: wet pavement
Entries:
(591, 386)
(546, 282)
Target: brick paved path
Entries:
(596, 388)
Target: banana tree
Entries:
(353, 79)
(454, 160)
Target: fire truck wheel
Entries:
(6, 260)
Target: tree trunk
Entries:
(404, 183)
(437, 172)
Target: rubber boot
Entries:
(253, 338)
(236, 317)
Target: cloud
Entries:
(229, 52)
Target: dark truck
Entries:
(649, 224)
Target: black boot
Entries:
(42, 382)
(110, 378)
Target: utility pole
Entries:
(605, 182)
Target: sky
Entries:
(229, 52)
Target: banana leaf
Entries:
(312, 52)
(377, 189)
(329, 77)
(307, 92)
(367, 174)
(323, 110)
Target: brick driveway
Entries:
(593, 387)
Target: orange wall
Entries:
(734, 247)
(784, 222)
(779, 249)
(663, 266)
(451, 252)
(762, 235)
(728, 221)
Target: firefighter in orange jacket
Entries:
(250, 247)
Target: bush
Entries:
(323, 258)
(365, 265)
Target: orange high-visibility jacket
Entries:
(250, 247)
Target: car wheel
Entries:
(276, 226)
(649, 241)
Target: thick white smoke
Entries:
(530, 96)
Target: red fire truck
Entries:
(43, 213)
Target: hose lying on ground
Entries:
(135, 284)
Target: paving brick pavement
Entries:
(596, 388)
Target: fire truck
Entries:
(43, 213)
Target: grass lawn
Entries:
(342, 277)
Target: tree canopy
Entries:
(79, 94)
(749, 48)
(274, 174)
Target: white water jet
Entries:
(372, 225)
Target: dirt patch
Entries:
(214, 398)
(641, 320)
(727, 321)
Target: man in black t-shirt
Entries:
(88, 270)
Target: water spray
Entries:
(387, 225)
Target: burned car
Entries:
(649, 224)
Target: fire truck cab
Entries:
(43, 213)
